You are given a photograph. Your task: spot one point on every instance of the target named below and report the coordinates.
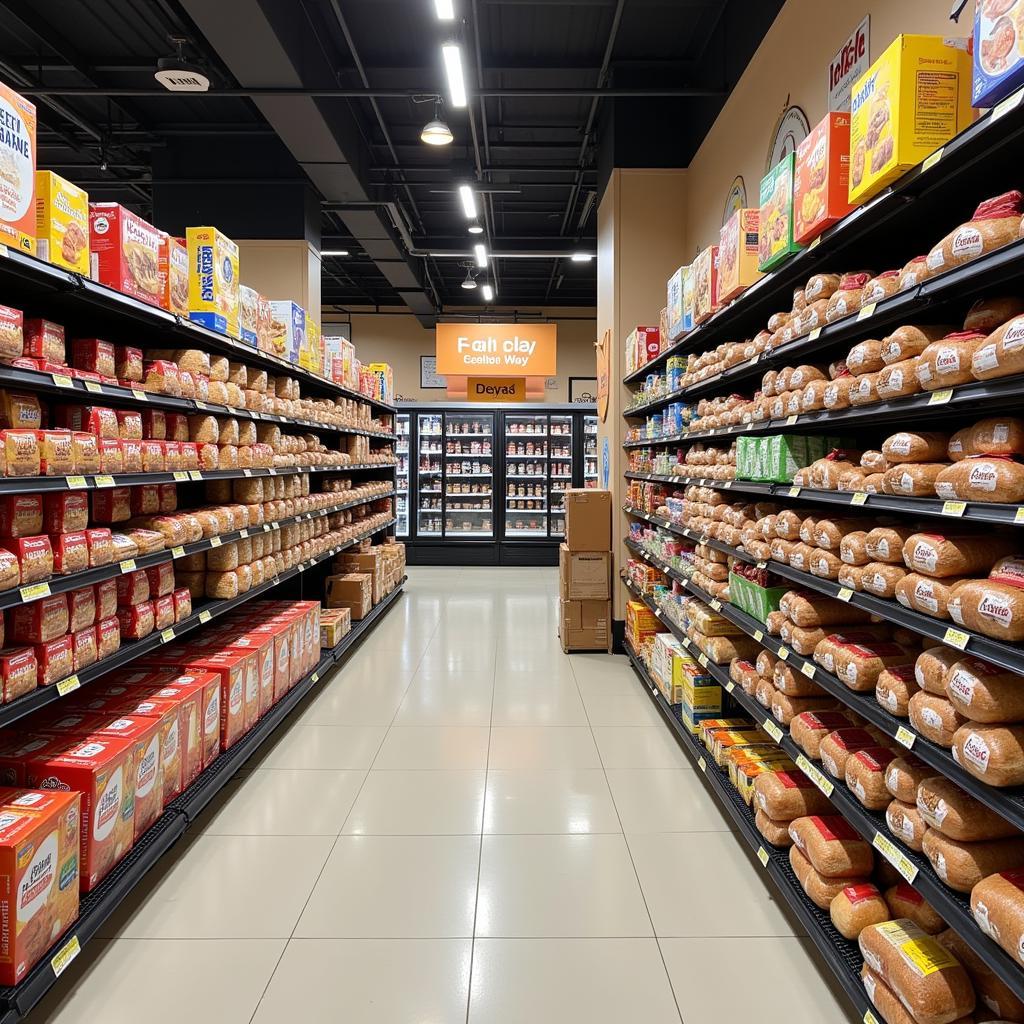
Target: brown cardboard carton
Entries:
(588, 519)
(335, 623)
(352, 590)
(584, 575)
(585, 625)
(372, 563)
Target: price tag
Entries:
(215, 542)
(62, 380)
(940, 397)
(69, 685)
(75, 482)
(703, 659)
(180, 476)
(716, 604)
(243, 533)
(1019, 516)
(865, 311)
(895, 856)
(128, 565)
(783, 653)
(870, 1018)
(63, 957)
(905, 737)
(794, 492)
(34, 591)
(859, 498)
(954, 508)
(808, 669)
(91, 385)
(686, 642)
(758, 635)
(727, 484)
(177, 552)
(730, 686)
(771, 727)
(167, 635)
(790, 420)
(140, 395)
(814, 334)
(956, 638)
(845, 594)
(205, 616)
(702, 764)
(200, 404)
(762, 565)
(195, 474)
(815, 242)
(932, 159)
(1005, 106)
(762, 856)
(315, 677)
(246, 472)
(266, 527)
(271, 472)
(103, 481)
(815, 775)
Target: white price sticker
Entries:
(905, 737)
(815, 775)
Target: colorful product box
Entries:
(674, 306)
(645, 343)
(62, 222)
(738, 254)
(705, 284)
(125, 252)
(311, 353)
(775, 238)
(688, 296)
(912, 100)
(822, 187)
(334, 358)
(17, 171)
(288, 330)
(174, 266)
(248, 315)
(998, 50)
(212, 280)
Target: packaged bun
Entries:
(819, 286)
(906, 824)
(947, 363)
(982, 478)
(991, 312)
(912, 479)
(904, 774)
(997, 903)
(992, 753)
(945, 806)
(963, 865)
(881, 286)
(915, 272)
(821, 891)
(938, 555)
(855, 907)
(993, 607)
(848, 297)
(984, 692)
(990, 988)
(895, 686)
(934, 718)
(783, 796)
(996, 222)
(832, 846)
(905, 901)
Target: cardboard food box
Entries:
(62, 222)
(371, 563)
(998, 51)
(212, 280)
(688, 296)
(585, 625)
(334, 358)
(641, 622)
(642, 344)
(666, 663)
(238, 669)
(18, 171)
(738, 254)
(178, 720)
(311, 353)
(821, 191)
(674, 306)
(125, 252)
(39, 836)
(588, 519)
(912, 100)
(248, 315)
(335, 624)
(288, 328)
(775, 225)
(705, 283)
(352, 590)
(144, 732)
(174, 267)
(584, 575)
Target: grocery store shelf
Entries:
(509, 532)
(842, 957)
(98, 905)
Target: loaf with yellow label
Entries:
(855, 907)
(997, 903)
(926, 978)
(832, 846)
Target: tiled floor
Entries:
(463, 825)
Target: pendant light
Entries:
(436, 132)
(470, 281)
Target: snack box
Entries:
(705, 284)
(288, 329)
(62, 222)
(248, 314)
(912, 100)
(174, 266)
(261, 644)
(775, 235)
(177, 719)
(18, 171)
(674, 306)
(283, 636)
(311, 355)
(125, 252)
(335, 624)
(738, 254)
(102, 770)
(240, 690)
(688, 296)
(998, 51)
(39, 836)
(821, 191)
(212, 280)
(334, 358)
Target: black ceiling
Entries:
(539, 154)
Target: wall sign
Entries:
(790, 130)
(852, 60)
(496, 389)
(429, 377)
(736, 199)
(583, 390)
(604, 348)
(499, 350)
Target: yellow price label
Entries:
(814, 334)
(103, 481)
(62, 380)
(940, 397)
(771, 727)
(177, 551)
(128, 565)
(956, 638)
(215, 542)
(63, 957)
(1019, 516)
(1005, 106)
(865, 311)
(870, 1018)
(716, 604)
(205, 616)
(794, 492)
(895, 856)
(200, 404)
(91, 385)
(845, 594)
(686, 642)
(859, 498)
(815, 775)
(762, 856)
(758, 635)
(34, 591)
(68, 685)
(703, 659)
(954, 508)
(315, 677)
(730, 686)
(808, 669)
(75, 482)
(180, 476)
(702, 764)
(815, 242)
(140, 395)
(905, 737)
(783, 653)
(790, 420)
(932, 159)
(167, 635)
(195, 474)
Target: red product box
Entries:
(152, 456)
(82, 607)
(240, 690)
(262, 645)
(136, 621)
(34, 555)
(172, 717)
(125, 252)
(648, 343)
(43, 339)
(161, 579)
(189, 455)
(112, 504)
(281, 633)
(132, 588)
(19, 672)
(65, 512)
(21, 515)
(154, 424)
(13, 752)
(55, 660)
(144, 732)
(182, 603)
(84, 647)
(172, 455)
(95, 355)
(128, 364)
(100, 420)
(101, 546)
(129, 424)
(70, 552)
(821, 184)
(102, 770)
(39, 621)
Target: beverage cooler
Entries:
(487, 483)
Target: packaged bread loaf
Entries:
(991, 311)
(931, 666)
(809, 729)
(802, 640)
(913, 479)
(984, 692)
(19, 672)
(945, 806)
(881, 578)
(853, 550)
(904, 774)
(855, 907)
(895, 686)
(865, 357)
(995, 223)
(962, 865)
(915, 446)
(997, 903)
(785, 708)
(865, 776)
(858, 662)
(793, 682)
(783, 796)
(994, 606)
(954, 555)
(837, 394)
(991, 990)
(819, 286)
(982, 478)
(905, 901)
(1002, 352)
(832, 846)
(775, 832)
(934, 718)
(820, 889)
(906, 824)
(927, 594)
(948, 362)
(838, 746)
(992, 753)
(897, 380)
(883, 999)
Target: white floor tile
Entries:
(557, 802)
(664, 800)
(418, 803)
(550, 703)
(433, 747)
(461, 701)
(621, 710)
(533, 747)
(327, 747)
(642, 746)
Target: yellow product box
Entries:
(62, 222)
(913, 99)
(707, 621)
(640, 620)
(738, 254)
(704, 699)
(335, 623)
(385, 381)
(723, 740)
(212, 280)
(310, 353)
(705, 284)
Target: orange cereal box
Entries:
(822, 184)
(174, 274)
(39, 883)
(17, 171)
(145, 733)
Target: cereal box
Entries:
(912, 100)
(822, 186)
(311, 356)
(39, 835)
(174, 716)
(62, 222)
(738, 254)
(705, 283)
(998, 50)
(17, 171)
(775, 235)
(125, 252)
(288, 329)
(334, 358)
(248, 314)
(149, 775)
(674, 306)
(174, 266)
(212, 280)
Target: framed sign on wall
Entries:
(583, 390)
(429, 377)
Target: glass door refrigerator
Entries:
(402, 474)
(429, 475)
(469, 475)
(526, 476)
(560, 447)
(589, 451)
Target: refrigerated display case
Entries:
(469, 475)
(589, 451)
(402, 475)
(429, 475)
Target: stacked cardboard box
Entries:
(584, 570)
(364, 576)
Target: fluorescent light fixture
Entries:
(581, 257)
(436, 133)
(445, 10)
(453, 69)
(480, 251)
(468, 201)
(334, 252)
(488, 293)
(475, 228)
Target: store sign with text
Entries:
(498, 350)
(496, 389)
(852, 60)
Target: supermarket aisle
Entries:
(462, 820)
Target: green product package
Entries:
(775, 239)
(754, 600)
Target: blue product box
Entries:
(998, 51)
(673, 422)
(676, 369)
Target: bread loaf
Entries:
(991, 990)
(881, 579)
(898, 379)
(912, 479)
(895, 686)
(865, 357)
(783, 796)
(855, 907)
(963, 865)
(821, 891)
(983, 692)
(915, 446)
(931, 666)
(930, 983)
(864, 390)
(992, 753)
(1002, 352)
(982, 478)
(934, 718)
(865, 776)
(910, 340)
(853, 550)
(926, 594)
(885, 543)
(809, 729)
(883, 999)
(819, 286)
(997, 435)
(832, 846)
(859, 663)
(997, 903)
(802, 640)
(906, 824)
(948, 362)
(785, 708)
(937, 555)
(992, 607)
(904, 774)
(794, 683)
(996, 222)
(775, 832)
(765, 663)
(849, 577)
(990, 312)
(838, 746)
(837, 393)
(808, 608)
(906, 901)
(945, 806)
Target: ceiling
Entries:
(326, 91)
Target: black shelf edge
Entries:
(97, 906)
(841, 956)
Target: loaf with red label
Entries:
(775, 832)
(81, 608)
(783, 796)
(904, 774)
(995, 606)
(108, 637)
(855, 907)
(895, 686)
(65, 512)
(39, 621)
(992, 753)
(906, 824)
(945, 806)
(911, 340)
(137, 620)
(858, 660)
(915, 446)
(984, 692)
(821, 890)
(832, 846)
(956, 555)
(20, 453)
(1002, 352)
(743, 674)
(55, 660)
(930, 983)
(839, 745)
(997, 903)
(905, 901)
(927, 594)
(962, 865)
(161, 579)
(865, 776)
(996, 222)
(70, 552)
(991, 990)
(809, 729)
(982, 478)
(19, 672)
(948, 362)
(793, 683)
(934, 718)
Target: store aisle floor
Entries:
(463, 824)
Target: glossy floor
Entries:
(462, 824)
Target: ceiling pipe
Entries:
(538, 92)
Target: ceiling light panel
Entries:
(480, 252)
(468, 200)
(445, 10)
(453, 69)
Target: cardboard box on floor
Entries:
(371, 563)
(585, 625)
(584, 575)
(352, 590)
(588, 519)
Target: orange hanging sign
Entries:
(499, 350)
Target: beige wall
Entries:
(281, 269)
(400, 341)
